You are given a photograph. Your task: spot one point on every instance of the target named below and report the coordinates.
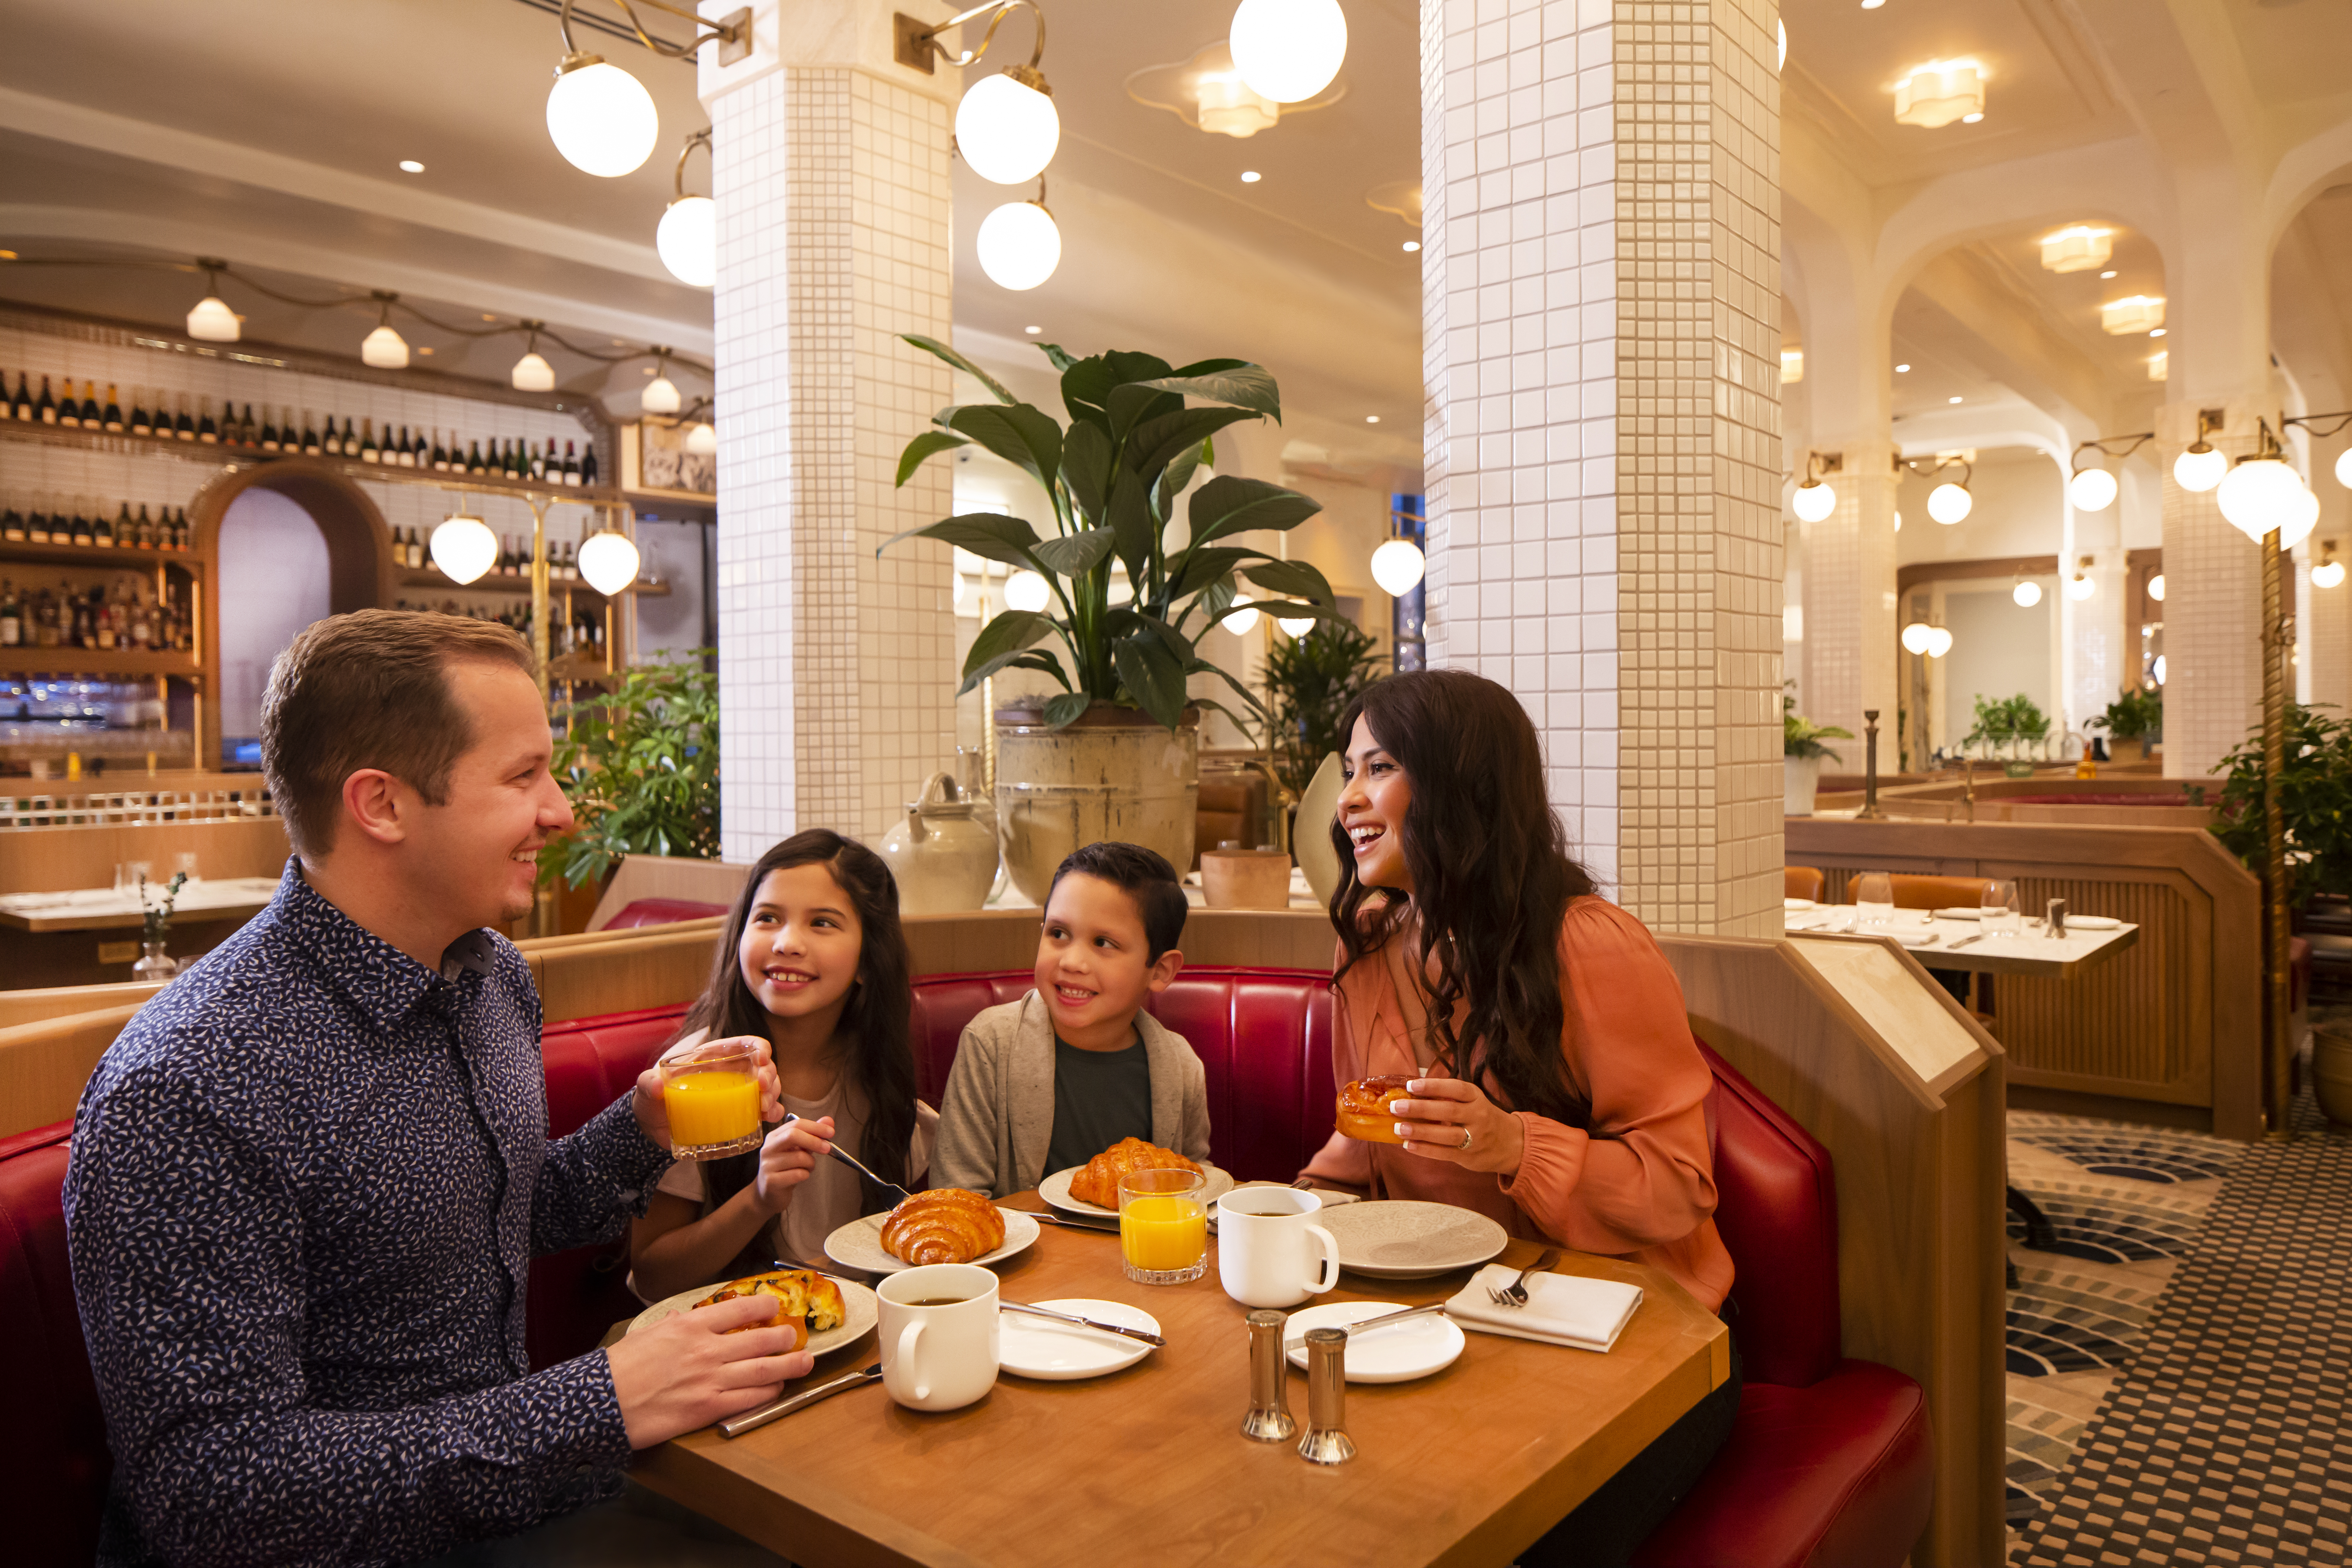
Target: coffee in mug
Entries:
(938, 1335)
(1270, 1252)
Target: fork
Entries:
(1516, 1294)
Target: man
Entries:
(308, 1180)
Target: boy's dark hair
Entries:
(1147, 878)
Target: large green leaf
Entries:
(989, 533)
(924, 446)
(1297, 578)
(1066, 709)
(1246, 387)
(1153, 677)
(1039, 658)
(1208, 366)
(1076, 554)
(933, 346)
(1086, 470)
(1001, 642)
(1087, 384)
(1203, 567)
(1202, 666)
(1131, 404)
(1176, 476)
(1228, 504)
(1156, 442)
(1132, 525)
(1020, 435)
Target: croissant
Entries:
(1364, 1108)
(1097, 1183)
(946, 1224)
(806, 1302)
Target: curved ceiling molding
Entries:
(1208, 94)
(1402, 197)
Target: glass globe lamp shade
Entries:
(2200, 468)
(2257, 495)
(1006, 129)
(1025, 591)
(1814, 501)
(2156, 587)
(2303, 516)
(1939, 642)
(702, 440)
(2159, 669)
(1948, 503)
(463, 548)
(1397, 567)
(2327, 574)
(1019, 246)
(2344, 468)
(1240, 621)
(2093, 489)
(1899, 523)
(213, 322)
(1916, 636)
(384, 349)
(1294, 630)
(1289, 50)
(2026, 595)
(609, 561)
(2082, 586)
(532, 374)
(687, 240)
(601, 118)
(660, 396)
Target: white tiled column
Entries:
(2213, 613)
(1601, 331)
(1850, 611)
(835, 668)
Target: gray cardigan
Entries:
(997, 1118)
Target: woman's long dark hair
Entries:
(877, 1021)
(1492, 880)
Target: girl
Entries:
(1555, 1084)
(814, 961)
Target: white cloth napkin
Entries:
(1561, 1309)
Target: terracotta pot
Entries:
(2331, 1074)
(1245, 878)
(1115, 774)
(1800, 778)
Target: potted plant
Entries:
(1312, 680)
(2133, 720)
(640, 765)
(156, 926)
(1801, 756)
(2006, 728)
(1116, 752)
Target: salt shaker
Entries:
(1326, 1442)
(2055, 913)
(1269, 1419)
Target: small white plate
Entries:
(1056, 1190)
(1398, 1239)
(860, 1312)
(1397, 1353)
(1030, 1346)
(858, 1244)
(1792, 904)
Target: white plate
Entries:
(1393, 1239)
(1056, 1190)
(1798, 904)
(858, 1244)
(859, 1313)
(1397, 1353)
(1041, 1348)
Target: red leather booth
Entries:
(1828, 1462)
(661, 912)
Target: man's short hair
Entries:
(369, 689)
(1146, 876)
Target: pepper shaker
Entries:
(1269, 1419)
(2055, 913)
(1326, 1442)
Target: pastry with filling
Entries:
(1097, 1182)
(946, 1224)
(805, 1300)
(1364, 1108)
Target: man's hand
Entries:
(654, 1117)
(688, 1371)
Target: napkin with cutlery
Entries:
(1561, 1309)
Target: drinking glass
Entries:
(129, 874)
(1163, 1227)
(1874, 900)
(2000, 911)
(712, 1095)
(184, 863)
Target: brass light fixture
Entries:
(599, 116)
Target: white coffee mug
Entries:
(938, 1335)
(1270, 1253)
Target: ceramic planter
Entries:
(1800, 777)
(1113, 775)
(941, 856)
(2126, 751)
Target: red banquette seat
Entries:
(1827, 1466)
(659, 912)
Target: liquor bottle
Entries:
(182, 427)
(180, 533)
(207, 432)
(268, 430)
(108, 533)
(440, 453)
(474, 458)
(248, 431)
(37, 519)
(310, 447)
(101, 619)
(588, 474)
(12, 525)
(518, 461)
(111, 416)
(368, 451)
(24, 406)
(140, 424)
(83, 534)
(12, 625)
(412, 450)
(570, 465)
(417, 550)
(351, 439)
(68, 411)
(143, 629)
(331, 443)
(92, 417)
(289, 439)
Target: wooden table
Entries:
(2029, 951)
(103, 909)
(1149, 1465)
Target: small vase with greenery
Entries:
(2006, 728)
(1801, 755)
(641, 769)
(155, 926)
(1312, 680)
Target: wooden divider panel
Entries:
(44, 1066)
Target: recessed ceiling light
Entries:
(2157, 333)
(411, 166)
(423, 350)
(1251, 177)
(1872, 4)
(1952, 399)
(1901, 368)
(1413, 245)
(1971, 119)
(2110, 272)
(1033, 332)
(1372, 418)
(488, 317)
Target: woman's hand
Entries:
(787, 1159)
(1449, 1119)
(654, 1116)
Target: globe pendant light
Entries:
(1294, 630)
(601, 118)
(2200, 468)
(660, 395)
(1240, 620)
(1026, 590)
(2156, 587)
(2092, 489)
(2330, 572)
(2344, 468)
(463, 548)
(1398, 566)
(702, 440)
(1289, 50)
(608, 561)
(1813, 500)
(532, 373)
(1007, 128)
(1019, 244)
(2303, 516)
(1939, 641)
(1916, 636)
(384, 349)
(2026, 595)
(1948, 503)
(211, 321)
(687, 240)
(2258, 494)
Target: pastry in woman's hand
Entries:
(946, 1224)
(1097, 1182)
(1364, 1108)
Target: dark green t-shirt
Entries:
(1099, 1098)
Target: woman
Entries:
(1555, 1087)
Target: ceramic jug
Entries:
(942, 858)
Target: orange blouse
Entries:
(1641, 1184)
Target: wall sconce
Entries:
(1019, 242)
(1006, 126)
(1813, 500)
(2026, 595)
(2330, 572)
(1950, 501)
(2200, 466)
(688, 234)
(2093, 489)
(600, 117)
(2081, 585)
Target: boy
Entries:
(1052, 1081)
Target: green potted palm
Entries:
(2133, 720)
(1310, 681)
(640, 765)
(1801, 756)
(2007, 728)
(1115, 753)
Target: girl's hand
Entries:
(787, 1159)
(654, 1117)
(1451, 1119)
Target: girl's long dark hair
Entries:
(1492, 880)
(877, 1021)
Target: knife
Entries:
(1385, 1318)
(846, 1158)
(752, 1420)
(1109, 1223)
(1966, 940)
(1145, 1335)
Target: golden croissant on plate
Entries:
(1098, 1182)
(946, 1224)
(805, 1300)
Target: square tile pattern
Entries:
(1850, 604)
(2212, 625)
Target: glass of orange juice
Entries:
(1163, 1227)
(712, 1095)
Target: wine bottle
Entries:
(47, 409)
(248, 431)
(68, 411)
(37, 519)
(24, 406)
(310, 447)
(474, 458)
(182, 427)
(110, 533)
(588, 476)
(207, 432)
(570, 465)
(83, 534)
(12, 625)
(92, 417)
(330, 442)
(111, 416)
(140, 424)
(268, 430)
(416, 550)
(368, 451)
(440, 453)
(12, 525)
(288, 437)
(180, 531)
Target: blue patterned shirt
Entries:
(305, 1189)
